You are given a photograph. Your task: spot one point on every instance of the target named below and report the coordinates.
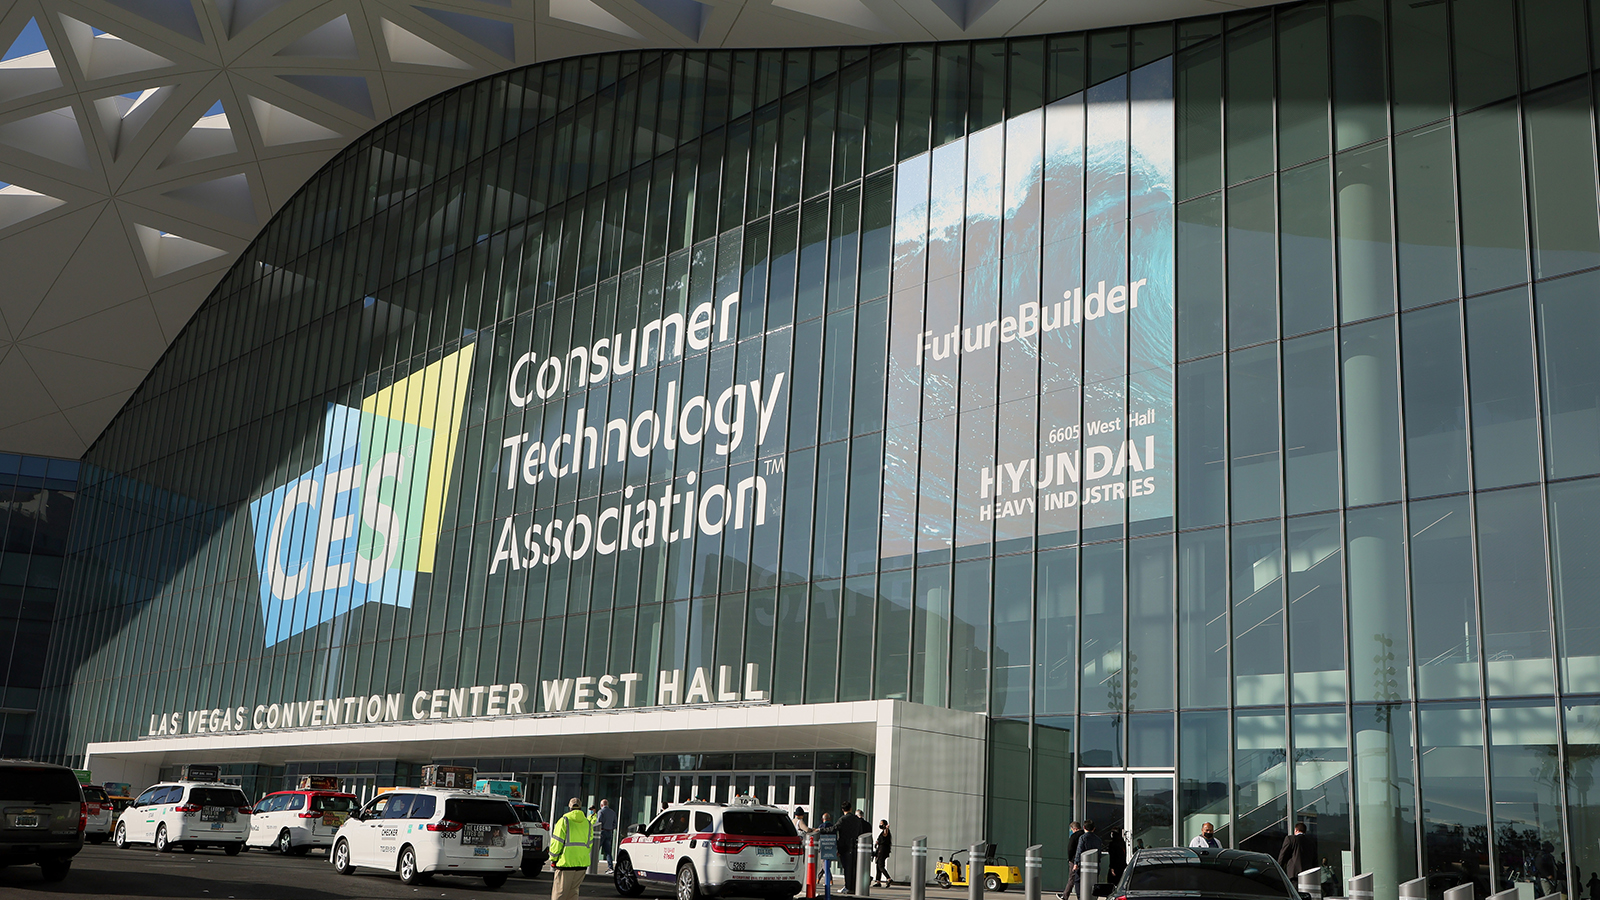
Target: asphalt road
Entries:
(105, 872)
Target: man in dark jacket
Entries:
(1299, 853)
(1072, 841)
(849, 828)
(1087, 841)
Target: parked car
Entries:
(189, 815)
(41, 817)
(742, 849)
(299, 821)
(1185, 873)
(535, 838)
(421, 832)
(99, 813)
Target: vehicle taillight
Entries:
(513, 829)
(83, 817)
(187, 808)
(245, 810)
(311, 815)
(795, 849)
(723, 843)
(445, 825)
(545, 825)
(91, 809)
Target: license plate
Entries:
(25, 821)
(763, 851)
(216, 826)
(480, 851)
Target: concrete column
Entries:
(1376, 813)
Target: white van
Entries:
(299, 821)
(189, 815)
(420, 832)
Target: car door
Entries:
(645, 851)
(391, 830)
(261, 821)
(669, 842)
(363, 834)
(138, 816)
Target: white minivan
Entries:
(299, 821)
(189, 815)
(420, 832)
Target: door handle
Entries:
(691, 843)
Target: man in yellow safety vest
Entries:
(569, 851)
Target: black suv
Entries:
(1182, 873)
(41, 817)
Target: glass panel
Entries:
(1199, 112)
(1102, 662)
(1260, 781)
(1104, 802)
(1569, 330)
(1203, 618)
(1515, 592)
(1435, 402)
(1380, 659)
(1500, 371)
(1258, 641)
(1385, 794)
(1322, 787)
(1316, 610)
(1152, 814)
(1582, 723)
(1524, 767)
(1360, 90)
(1494, 244)
(1455, 821)
(1253, 433)
(1202, 477)
(1371, 413)
(1485, 51)
(1443, 599)
(1419, 45)
(1204, 751)
(1366, 268)
(1200, 284)
(1151, 682)
(1055, 654)
(1302, 84)
(1053, 781)
(1249, 102)
(1311, 423)
(1306, 224)
(1252, 264)
(1424, 199)
(1561, 179)
(1574, 533)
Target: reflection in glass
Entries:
(1385, 795)
(1204, 752)
(1443, 598)
(1525, 780)
(1260, 781)
(1455, 824)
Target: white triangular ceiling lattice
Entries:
(144, 142)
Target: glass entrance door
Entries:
(1133, 808)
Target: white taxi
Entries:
(742, 849)
(299, 821)
(189, 815)
(420, 832)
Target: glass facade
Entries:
(37, 496)
(1209, 404)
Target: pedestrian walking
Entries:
(606, 822)
(1206, 838)
(569, 851)
(1075, 832)
(849, 828)
(1087, 841)
(1299, 852)
(1116, 855)
(880, 852)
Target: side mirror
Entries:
(635, 829)
(1105, 890)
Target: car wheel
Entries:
(232, 849)
(122, 836)
(494, 882)
(625, 878)
(942, 880)
(688, 883)
(407, 867)
(55, 869)
(162, 845)
(285, 845)
(992, 883)
(341, 858)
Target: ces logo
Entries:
(360, 524)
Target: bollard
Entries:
(1032, 871)
(977, 862)
(919, 867)
(1505, 895)
(811, 865)
(1459, 892)
(1415, 889)
(864, 866)
(1089, 873)
(1310, 883)
(1361, 887)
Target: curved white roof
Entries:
(143, 143)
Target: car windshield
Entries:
(218, 797)
(38, 784)
(95, 795)
(757, 824)
(529, 814)
(479, 812)
(1213, 878)
(333, 804)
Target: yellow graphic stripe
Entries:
(434, 398)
